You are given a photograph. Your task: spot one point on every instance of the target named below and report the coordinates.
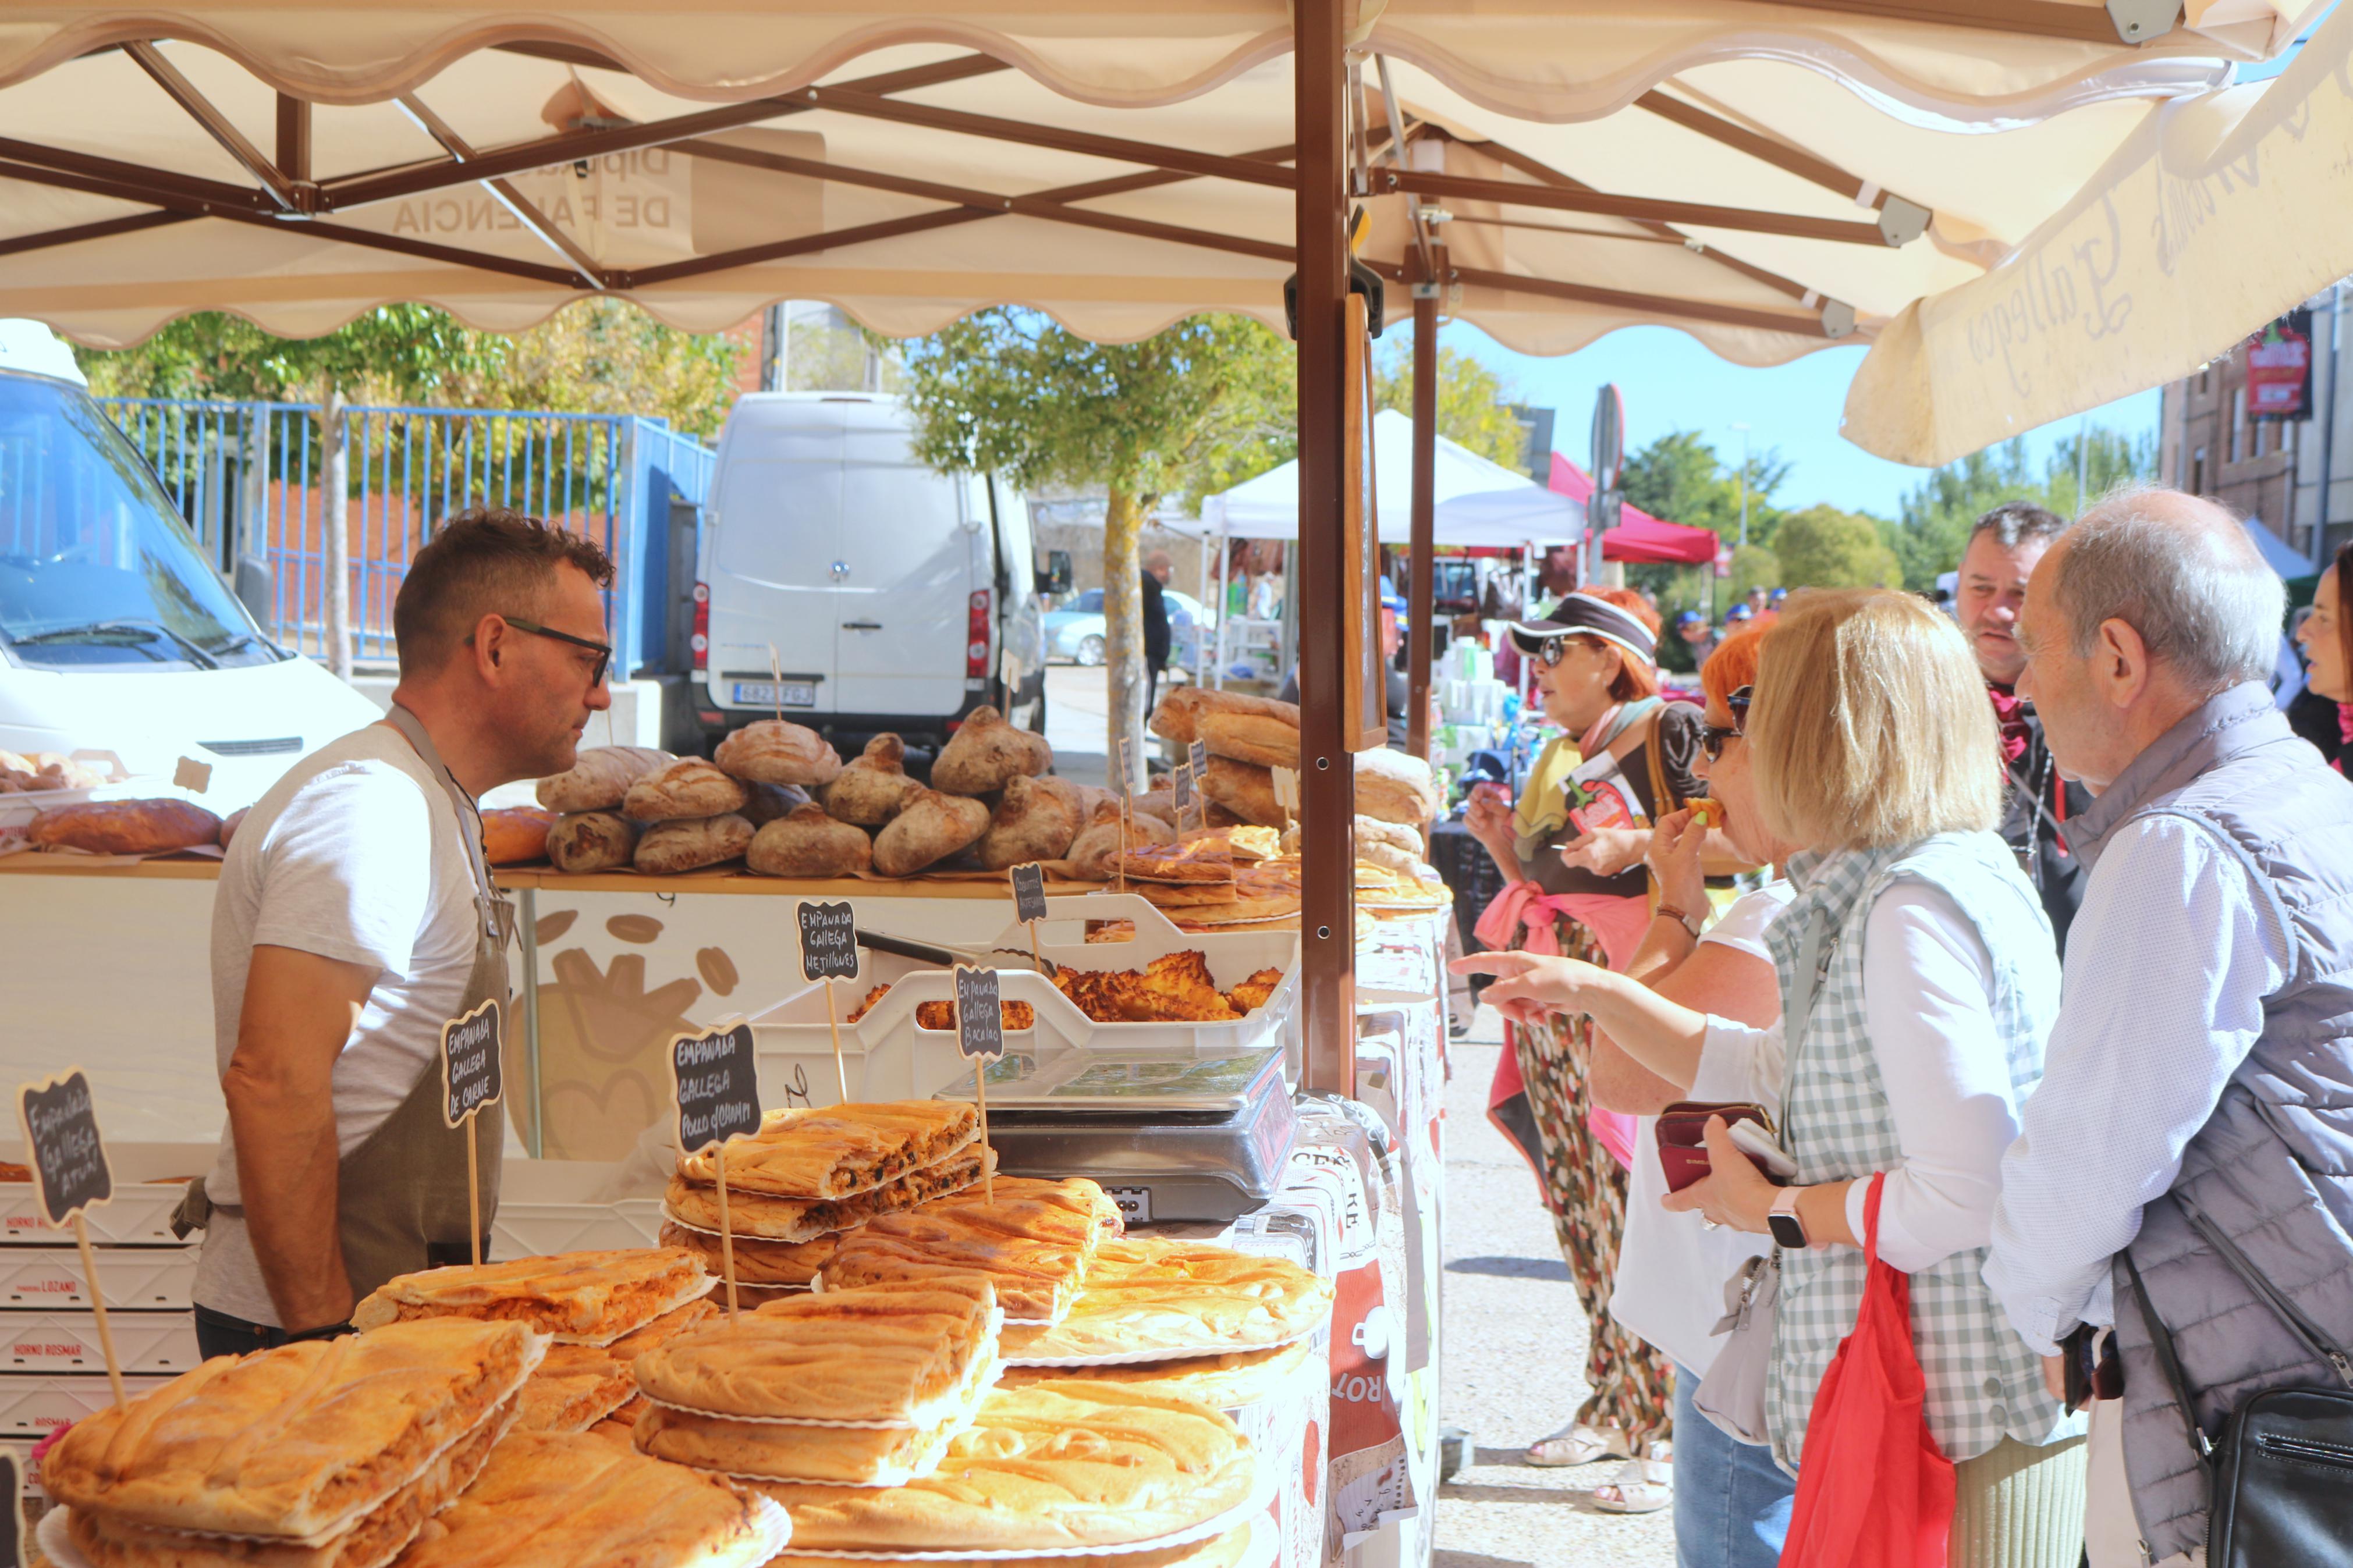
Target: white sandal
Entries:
(1645, 1486)
(1575, 1445)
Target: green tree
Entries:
(1679, 478)
(1933, 525)
(1822, 547)
(1009, 391)
(1475, 404)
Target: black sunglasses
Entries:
(603, 650)
(1712, 738)
(1551, 651)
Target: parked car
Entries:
(116, 634)
(853, 587)
(1075, 632)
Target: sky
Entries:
(1671, 382)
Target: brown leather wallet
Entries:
(1683, 1137)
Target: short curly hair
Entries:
(487, 561)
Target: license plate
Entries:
(764, 694)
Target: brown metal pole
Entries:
(1327, 768)
(1421, 594)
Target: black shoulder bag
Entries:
(2280, 1482)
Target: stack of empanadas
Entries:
(806, 1173)
(580, 1298)
(1179, 1299)
(1049, 1468)
(579, 1385)
(860, 1387)
(1033, 1243)
(321, 1454)
(573, 1499)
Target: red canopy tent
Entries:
(1639, 537)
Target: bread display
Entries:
(850, 1456)
(576, 1387)
(1226, 1380)
(809, 842)
(804, 1219)
(1071, 1464)
(685, 789)
(910, 1355)
(581, 1298)
(1179, 714)
(1245, 789)
(768, 802)
(1248, 738)
(1394, 788)
(757, 1262)
(600, 777)
(871, 790)
(1202, 860)
(314, 1444)
(1036, 819)
(668, 847)
(1184, 1297)
(777, 750)
(1033, 1243)
(930, 828)
(987, 753)
(125, 828)
(591, 841)
(1097, 847)
(44, 771)
(840, 1150)
(1176, 987)
(576, 1499)
(516, 836)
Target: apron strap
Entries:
(469, 817)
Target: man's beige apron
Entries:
(401, 1199)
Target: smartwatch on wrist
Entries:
(1788, 1229)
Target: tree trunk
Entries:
(334, 523)
(1123, 636)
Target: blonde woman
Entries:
(1918, 980)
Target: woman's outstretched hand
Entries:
(1529, 987)
(1605, 851)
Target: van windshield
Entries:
(96, 570)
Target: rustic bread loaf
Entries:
(1037, 820)
(777, 750)
(1248, 738)
(686, 789)
(1245, 789)
(125, 828)
(928, 829)
(808, 843)
(668, 847)
(591, 841)
(600, 777)
(875, 785)
(515, 836)
(987, 753)
(1179, 714)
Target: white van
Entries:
(115, 634)
(853, 587)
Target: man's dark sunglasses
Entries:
(603, 650)
(1712, 739)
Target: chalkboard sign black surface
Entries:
(12, 1524)
(716, 1082)
(1198, 753)
(980, 1025)
(1028, 893)
(68, 1160)
(829, 942)
(1181, 782)
(471, 1078)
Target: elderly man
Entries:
(2172, 1168)
(2001, 554)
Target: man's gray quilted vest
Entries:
(2273, 1169)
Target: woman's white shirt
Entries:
(1926, 980)
(1671, 1267)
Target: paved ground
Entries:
(1515, 1345)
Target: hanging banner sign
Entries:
(2279, 369)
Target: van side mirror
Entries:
(1056, 577)
(256, 590)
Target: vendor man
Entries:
(355, 917)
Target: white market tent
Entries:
(1479, 503)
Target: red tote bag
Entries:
(1873, 1490)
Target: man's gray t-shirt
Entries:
(355, 855)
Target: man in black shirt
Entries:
(1157, 569)
(2036, 802)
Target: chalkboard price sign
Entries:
(1183, 785)
(1028, 892)
(471, 1078)
(829, 942)
(1198, 753)
(68, 1160)
(12, 1526)
(715, 1081)
(1125, 783)
(980, 1023)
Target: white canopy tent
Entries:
(1479, 503)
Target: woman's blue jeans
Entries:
(1731, 1502)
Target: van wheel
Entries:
(1091, 652)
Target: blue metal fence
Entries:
(248, 478)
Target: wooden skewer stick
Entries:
(841, 1073)
(980, 1093)
(98, 1305)
(777, 682)
(473, 1192)
(726, 1235)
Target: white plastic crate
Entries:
(150, 1179)
(543, 1210)
(35, 1406)
(155, 1343)
(889, 1056)
(136, 1279)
